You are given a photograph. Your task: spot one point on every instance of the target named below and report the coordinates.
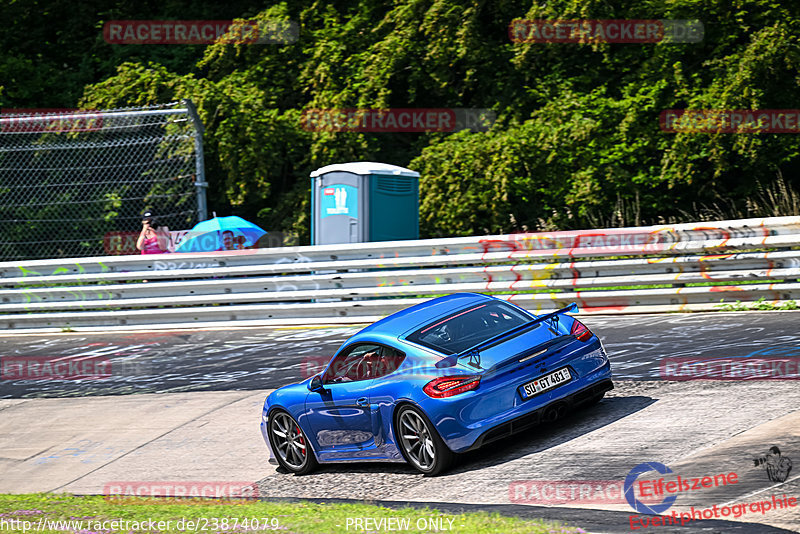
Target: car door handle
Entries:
(363, 401)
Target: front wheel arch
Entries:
(280, 419)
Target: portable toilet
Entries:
(364, 201)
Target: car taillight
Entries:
(580, 331)
(447, 386)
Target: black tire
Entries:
(420, 443)
(290, 444)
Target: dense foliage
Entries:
(576, 143)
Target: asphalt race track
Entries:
(263, 358)
(696, 428)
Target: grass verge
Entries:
(759, 305)
(64, 513)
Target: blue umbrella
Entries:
(207, 235)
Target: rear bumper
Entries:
(542, 413)
(497, 408)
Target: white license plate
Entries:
(556, 378)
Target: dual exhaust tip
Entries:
(554, 412)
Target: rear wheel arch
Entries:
(396, 410)
(408, 402)
(444, 456)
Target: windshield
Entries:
(468, 327)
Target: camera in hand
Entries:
(150, 219)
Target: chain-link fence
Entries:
(75, 183)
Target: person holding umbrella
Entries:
(153, 239)
(227, 240)
(219, 234)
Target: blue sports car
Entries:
(440, 378)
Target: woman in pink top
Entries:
(153, 238)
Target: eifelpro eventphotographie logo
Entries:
(635, 503)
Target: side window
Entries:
(388, 363)
(353, 364)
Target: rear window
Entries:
(468, 327)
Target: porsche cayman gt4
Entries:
(437, 379)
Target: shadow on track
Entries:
(577, 423)
(541, 437)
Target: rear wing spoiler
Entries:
(473, 353)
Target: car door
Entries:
(340, 414)
(383, 392)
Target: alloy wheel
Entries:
(417, 440)
(289, 441)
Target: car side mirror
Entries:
(316, 384)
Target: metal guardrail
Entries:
(604, 271)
